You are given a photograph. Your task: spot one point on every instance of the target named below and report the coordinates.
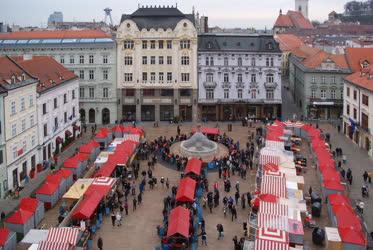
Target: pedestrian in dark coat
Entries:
(100, 243)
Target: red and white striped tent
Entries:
(273, 221)
(274, 185)
(291, 124)
(104, 181)
(64, 235)
(275, 144)
(271, 173)
(273, 208)
(270, 155)
(267, 238)
(47, 245)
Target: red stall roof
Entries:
(101, 135)
(333, 185)
(352, 236)
(117, 128)
(63, 235)
(4, 233)
(271, 167)
(178, 222)
(346, 217)
(47, 188)
(101, 185)
(94, 143)
(105, 131)
(207, 131)
(194, 165)
(20, 216)
(86, 148)
(54, 178)
(29, 204)
(82, 157)
(338, 199)
(87, 206)
(331, 174)
(186, 190)
(72, 162)
(65, 173)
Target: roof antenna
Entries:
(176, 5)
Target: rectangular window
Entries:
(332, 79)
(160, 60)
(81, 74)
(144, 60)
(323, 94)
(253, 94)
(81, 59)
(161, 77)
(14, 129)
(185, 92)
(207, 61)
(269, 95)
(169, 60)
(32, 121)
(185, 77)
(105, 92)
(81, 93)
(355, 95)
(239, 93)
(313, 93)
(128, 77)
(144, 76)
(272, 62)
(253, 62)
(226, 93)
(348, 109)
(253, 78)
(15, 154)
(65, 117)
(355, 114)
(64, 98)
(105, 74)
(169, 77)
(45, 130)
(152, 44)
(24, 146)
(128, 60)
(333, 94)
(364, 121)
(185, 44)
(267, 62)
(105, 59)
(239, 78)
(73, 94)
(348, 91)
(128, 44)
(55, 105)
(148, 92)
(365, 100)
(33, 141)
(226, 77)
(91, 92)
(209, 77)
(91, 59)
(23, 123)
(72, 59)
(55, 124)
(1, 157)
(73, 112)
(225, 61)
(209, 94)
(167, 92)
(313, 79)
(322, 79)
(44, 108)
(185, 60)
(211, 61)
(144, 44)
(239, 62)
(31, 101)
(62, 59)
(91, 74)
(169, 44)
(160, 44)
(152, 60)
(152, 77)
(129, 92)
(23, 104)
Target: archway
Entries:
(92, 116)
(105, 116)
(82, 115)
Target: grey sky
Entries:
(225, 13)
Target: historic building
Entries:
(316, 82)
(358, 98)
(292, 20)
(302, 6)
(90, 54)
(239, 76)
(20, 122)
(157, 65)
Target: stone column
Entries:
(156, 111)
(194, 105)
(177, 104)
(138, 104)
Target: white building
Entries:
(3, 170)
(90, 54)
(55, 17)
(57, 104)
(302, 6)
(157, 65)
(239, 76)
(20, 121)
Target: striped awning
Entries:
(268, 244)
(273, 208)
(103, 181)
(267, 238)
(132, 137)
(269, 158)
(274, 185)
(63, 235)
(275, 144)
(291, 124)
(273, 221)
(47, 245)
(271, 173)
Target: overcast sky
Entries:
(224, 13)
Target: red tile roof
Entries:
(305, 51)
(293, 19)
(364, 80)
(356, 56)
(49, 72)
(54, 34)
(288, 42)
(9, 68)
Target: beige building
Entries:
(157, 65)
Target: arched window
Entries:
(105, 116)
(82, 115)
(253, 61)
(269, 78)
(92, 116)
(239, 62)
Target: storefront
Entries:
(129, 113)
(325, 110)
(186, 112)
(147, 113)
(166, 112)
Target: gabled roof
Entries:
(8, 69)
(293, 19)
(362, 79)
(57, 34)
(288, 42)
(356, 56)
(157, 17)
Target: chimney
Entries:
(27, 57)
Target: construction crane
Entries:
(108, 14)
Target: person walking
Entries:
(126, 206)
(248, 196)
(113, 218)
(134, 203)
(365, 176)
(118, 218)
(167, 184)
(204, 238)
(220, 229)
(234, 212)
(100, 243)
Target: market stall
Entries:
(186, 190)
(178, 227)
(35, 236)
(21, 221)
(8, 239)
(207, 131)
(34, 206)
(117, 131)
(193, 168)
(267, 238)
(87, 207)
(64, 235)
(74, 165)
(274, 185)
(60, 181)
(48, 193)
(78, 189)
(47, 245)
(68, 176)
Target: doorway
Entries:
(105, 116)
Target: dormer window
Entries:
(23, 76)
(365, 64)
(270, 46)
(209, 45)
(13, 79)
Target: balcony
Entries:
(226, 85)
(209, 84)
(270, 85)
(240, 85)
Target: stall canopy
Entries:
(274, 185)
(333, 185)
(101, 185)
(271, 239)
(34, 236)
(207, 131)
(273, 208)
(78, 189)
(186, 190)
(178, 222)
(194, 166)
(86, 148)
(29, 204)
(19, 217)
(72, 162)
(338, 199)
(273, 221)
(47, 245)
(63, 235)
(352, 236)
(87, 207)
(4, 234)
(48, 188)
